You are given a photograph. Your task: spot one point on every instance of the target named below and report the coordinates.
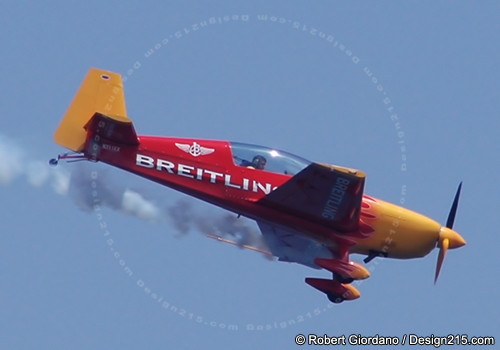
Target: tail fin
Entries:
(98, 107)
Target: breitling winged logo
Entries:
(195, 149)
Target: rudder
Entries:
(100, 93)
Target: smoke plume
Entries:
(14, 164)
(87, 187)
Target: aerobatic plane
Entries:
(310, 213)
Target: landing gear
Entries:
(343, 271)
(339, 288)
(374, 254)
(335, 291)
(335, 298)
(343, 279)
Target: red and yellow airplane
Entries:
(310, 213)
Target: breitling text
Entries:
(202, 174)
(335, 198)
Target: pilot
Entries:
(258, 162)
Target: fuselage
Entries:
(211, 171)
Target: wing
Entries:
(291, 246)
(326, 194)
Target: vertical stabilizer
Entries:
(101, 92)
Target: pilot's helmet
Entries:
(259, 162)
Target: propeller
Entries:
(449, 239)
(454, 206)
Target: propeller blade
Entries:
(442, 253)
(453, 210)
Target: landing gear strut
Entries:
(374, 254)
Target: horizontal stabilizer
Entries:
(117, 129)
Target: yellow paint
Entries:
(345, 170)
(360, 272)
(399, 232)
(351, 292)
(101, 91)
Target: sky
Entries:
(408, 92)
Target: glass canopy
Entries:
(268, 159)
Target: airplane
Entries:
(310, 213)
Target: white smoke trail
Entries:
(133, 202)
(86, 189)
(13, 164)
(89, 187)
(60, 182)
(10, 161)
(37, 173)
(186, 217)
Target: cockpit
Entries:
(268, 159)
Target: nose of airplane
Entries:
(453, 238)
(448, 239)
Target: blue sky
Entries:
(406, 91)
